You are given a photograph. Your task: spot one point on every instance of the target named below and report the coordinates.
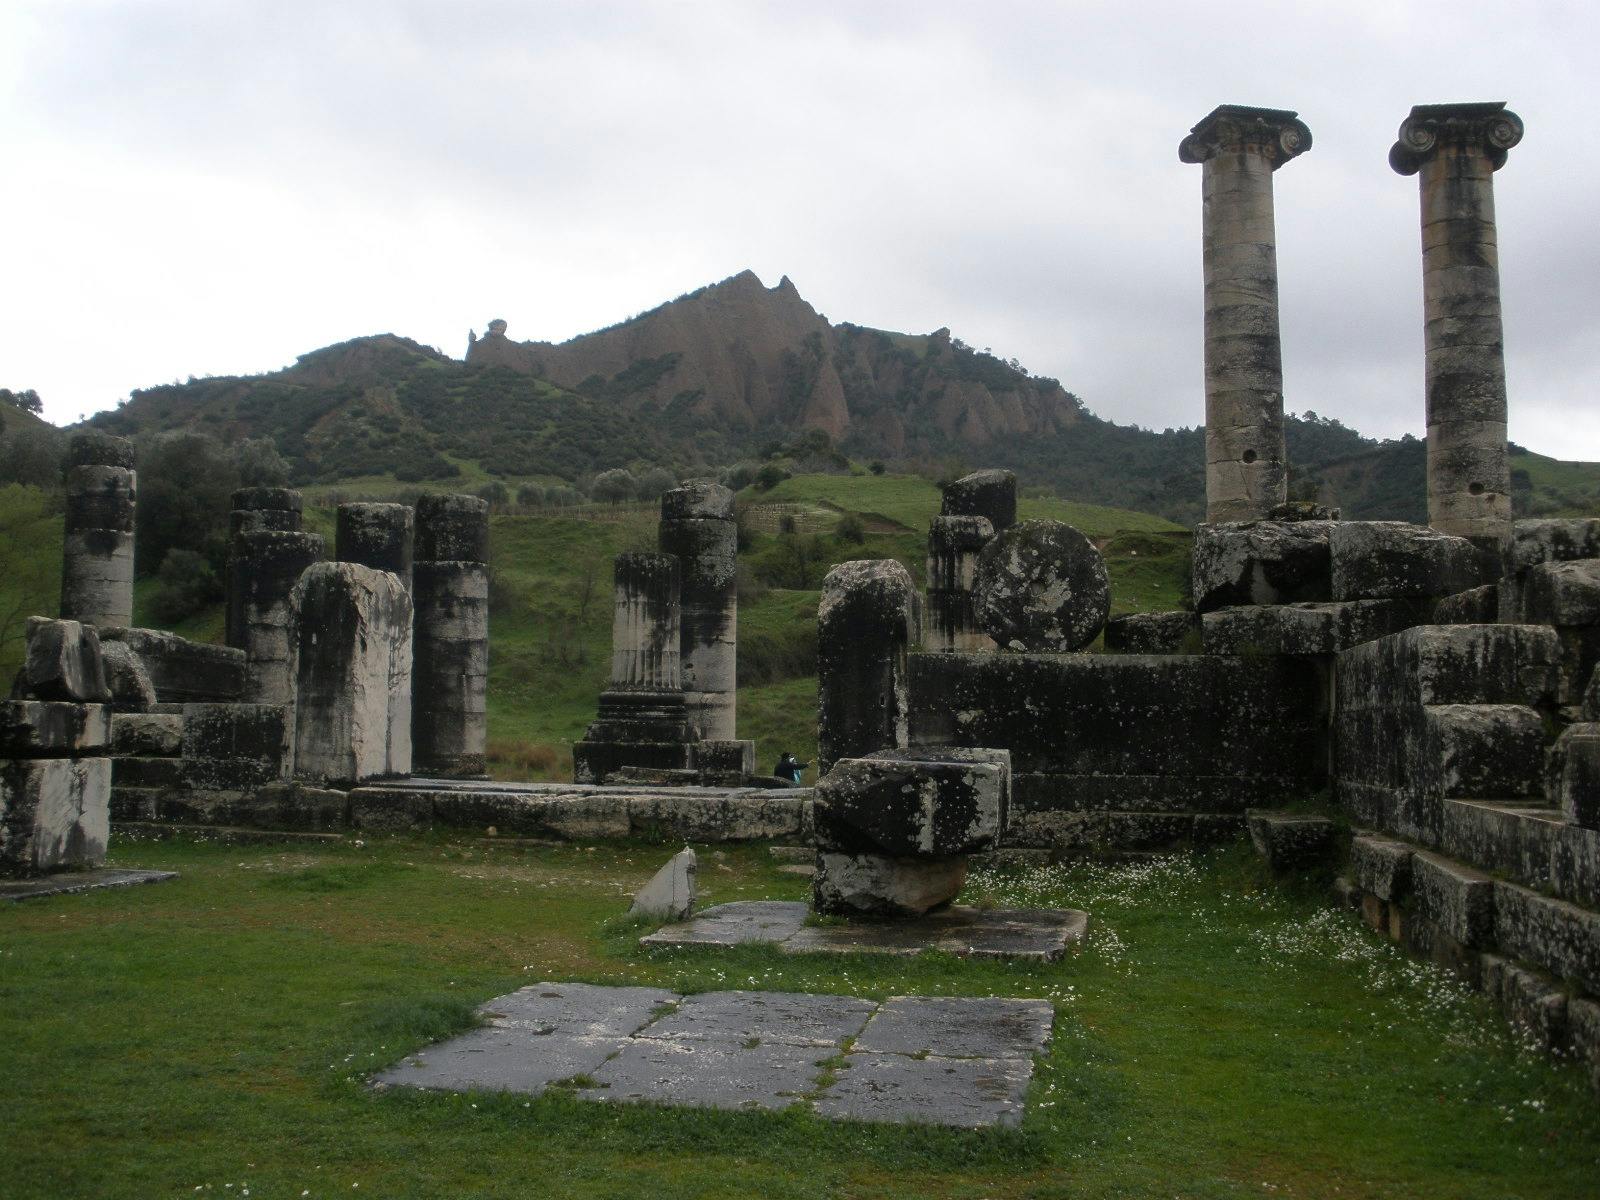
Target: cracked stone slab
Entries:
(734, 925)
(70, 882)
(967, 1092)
(959, 1027)
(710, 1074)
(790, 1018)
(499, 1059)
(1042, 935)
(577, 1009)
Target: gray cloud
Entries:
(214, 188)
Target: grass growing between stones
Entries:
(1217, 1037)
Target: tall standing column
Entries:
(379, 536)
(97, 554)
(1455, 149)
(263, 567)
(450, 588)
(698, 529)
(954, 544)
(867, 622)
(265, 508)
(1240, 148)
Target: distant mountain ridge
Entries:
(723, 374)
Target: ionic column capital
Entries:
(1488, 126)
(1274, 133)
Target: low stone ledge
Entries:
(1381, 866)
(1456, 899)
(1533, 1003)
(1535, 847)
(1307, 629)
(1554, 935)
(1291, 840)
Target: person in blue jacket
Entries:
(789, 769)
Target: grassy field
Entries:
(550, 623)
(1217, 1037)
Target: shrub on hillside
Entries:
(186, 584)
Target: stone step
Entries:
(1534, 847)
(139, 771)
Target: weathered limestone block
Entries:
(1567, 596)
(44, 728)
(1262, 562)
(1452, 664)
(1042, 586)
(737, 757)
(1454, 149)
(910, 809)
(1542, 540)
(1475, 606)
(1375, 560)
(131, 688)
(1554, 935)
(375, 535)
(265, 508)
(1456, 899)
(1538, 848)
(1590, 707)
(1290, 840)
(698, 529)
(1531, 1002)
(954, 543)
(184, 672)
(233, 745)
(1309, 629)
(63, 662)
(1381, 866)
(670, 894)
(867, 621)
(97, 550)
(54, 814)
(449, 719)
(452, 529)
(989, 494)
(351, 642)
(1240, 147)
(877, 885)
(149, 734)
(1572, 774)
(1000, 759)
(263, 569)
(1583, 1027)
(1154, 633)
(1485, 749)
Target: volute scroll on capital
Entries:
(1489, 125)
(1275, 133)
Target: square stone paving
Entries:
(1040, 934)
(69, 882)
(957, 1061)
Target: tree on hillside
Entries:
(614, 486)
(27, 401)
(656, 481)
(260, 464)
(186, 485)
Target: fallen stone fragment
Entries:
(1289, 840)
(878, 885)
(64, 662)
(131, 688)
(670, 893)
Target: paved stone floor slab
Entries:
(68, 882)
(710, 1074)
(961, 1061)
(959, 1027)
(1039, 934)
(793, 1018)
(968, 1092)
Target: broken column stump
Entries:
(1042, 586)
(867, 621)
(990, 494)
(375, 535)
(450, 587)
(644, 718)
(256, 508)
(954, 543)
(698, 529)
(263, 567)
(351, 647)
(97, 553)
(55, 786)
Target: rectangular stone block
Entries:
(147, 734)
(1154, 633)
(1554, 935)
(55, 814)
(1306, 629)
(1533, 1004)
(140, 772)
(48, 728)
(185, 671)
(1381, 866)
(1572, 774)
(909, 809)
(1534, 847)
(1583, 1027)
(1373, 560)
(1475, 606)
(1484, 749)
(1553, 539)
(1451, 664)
(1456, 899)
(1261, 562)
(236, 731)
(1562, 593)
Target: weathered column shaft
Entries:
(450, 585)
(646, 626)
(263, 569)
(867, 622)
(954, 544)
(1246, 465)
(991, 494)
(698, 529)
(375, 535)
(97, 552)
(257, 508)
(1455, 150)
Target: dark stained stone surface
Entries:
(966, 1092)
(959, 1027)
(710, 1074)
(1042, 586)
(793, 1018)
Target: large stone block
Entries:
(990, 494)
(1375, 560)
(48, 729)
(1291, 840)
(1554, 935)
(1154, 633)
(126, 676)
(351, 663)
(1531, 1002)
(1042, 586)
(183, 671)
(1484, 749)
(1553, 539)
(1538, 848)
(1572, 774)
(876, 885)
(1563, 593)
(375, 535)
(1454, 898)
(867, 620)
(147, 733)
(64, 662)
(1381, 866)
(1261, 562)
(910, 809)
(54, 814)
(1310, 629)
(1451, 664)
(1475, 606)
(1583, 1026)
(452, 529)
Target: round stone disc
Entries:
(1042, 586)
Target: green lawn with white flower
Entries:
(1218, 1036)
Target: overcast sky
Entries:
(207, 187)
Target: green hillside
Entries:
(550, 602)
